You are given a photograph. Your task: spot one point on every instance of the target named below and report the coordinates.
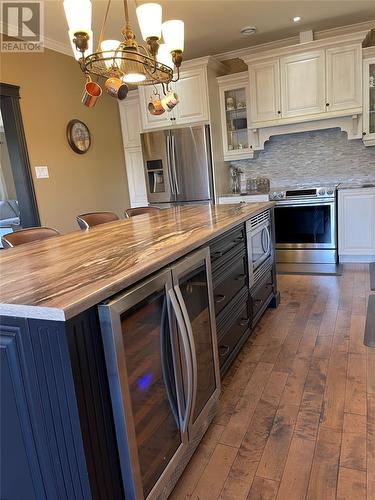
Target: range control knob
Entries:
(322, 192)
(330, 192)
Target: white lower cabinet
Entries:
(356, 224)
(136, 177)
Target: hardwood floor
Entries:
(297, 412)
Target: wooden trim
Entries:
(369, 338)
(18, 153)
(372, 276)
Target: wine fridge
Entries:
(160, 349)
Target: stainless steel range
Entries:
(305, 225)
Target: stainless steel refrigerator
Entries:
(178, 165)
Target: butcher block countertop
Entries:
(58, 278)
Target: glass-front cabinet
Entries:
(369, 101)
(234, 102)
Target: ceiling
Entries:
(213, 26)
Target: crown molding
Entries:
(352, 29)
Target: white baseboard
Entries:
(356, 258)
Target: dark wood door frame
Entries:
(18, 154)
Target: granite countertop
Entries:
(356, 184)
(63, 276)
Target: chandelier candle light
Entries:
(124, 62)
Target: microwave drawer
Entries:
(229, 282)
(230, 243)
(261, 293)
(233, 332)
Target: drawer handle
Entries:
(258, 301)
(269, 284)
(241, 277)
(223, 350)
(216, 255)
(219, 298)
(244, 322)
(238, 240)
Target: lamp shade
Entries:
(76, 52)
(164, 55)
(173, 34)
(110, 47)
(149, 19)
(78, 15)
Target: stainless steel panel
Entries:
(191, 163)
(306, 255)
(156, 146)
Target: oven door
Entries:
(305, 225)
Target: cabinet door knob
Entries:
(279, 112)
(327, 104)
(219, 298)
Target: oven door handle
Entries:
(307, 203)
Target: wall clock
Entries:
(79, 137)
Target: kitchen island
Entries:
(79, 420)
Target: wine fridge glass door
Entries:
(141, 356)
(193, 288)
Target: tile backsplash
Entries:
(323, 156)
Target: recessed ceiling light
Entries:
(248, 30)
(296, 19)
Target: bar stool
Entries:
(132, 212)
(85, 221)
(27, 235)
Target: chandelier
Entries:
(123, 62)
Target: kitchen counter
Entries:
(57, 279)
(356, 184)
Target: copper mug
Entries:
(91, 94)
(116, 88)
(155, 107)
(169, 101)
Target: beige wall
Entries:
(51, 86)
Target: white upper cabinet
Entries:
(130, 122)
(265, 91)
(149, 121)
(344, 78)
(234, 106)
(193, 105)
(303, 84)
(192, 91)
(369, 98)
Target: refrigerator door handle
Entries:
(164, 365)
(188, 359)
(169, 162)
(189, 330)
(173, 156)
